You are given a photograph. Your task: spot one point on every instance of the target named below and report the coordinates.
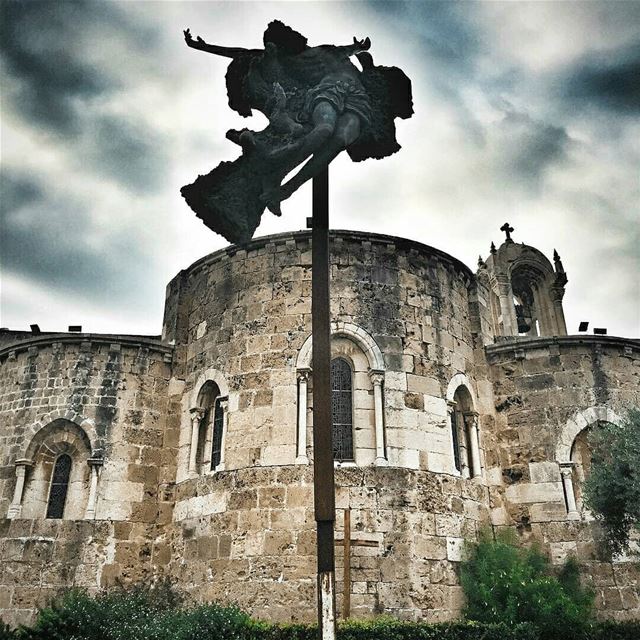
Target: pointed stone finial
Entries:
(493, 248)
(507, 229)
(480, 262)
(557, 262)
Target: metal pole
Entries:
(323, 482)
(346, 589)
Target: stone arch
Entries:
(213, 375)
(37, 431)
(460, 380)
(572, 429)
(353, 332)
(579, 422)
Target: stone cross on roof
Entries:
(507, 229)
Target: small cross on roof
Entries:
(507, 229)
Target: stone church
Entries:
(460, 402)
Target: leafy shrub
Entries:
(142, 612)
(5, 632)
(506, 584)
(612, 490)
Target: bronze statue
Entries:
(318, 104)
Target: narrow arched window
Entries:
(342, 409)
(59, 486)
(216, 436)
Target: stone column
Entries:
(303, 379)
(15, 508)
(196, 416)
(95, 465)
(471, 422)
(464, 444)
(557, 293)
(224, 405)
(507, 307)
(545, 314)
(566, 471)
(377, 378)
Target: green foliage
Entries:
(612, 490)
(6, 632)
(506, 584)
(142, 612)
(157, 613)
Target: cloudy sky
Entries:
(526, 112)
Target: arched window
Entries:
(59, 486)
(581, 464)
(59, 479)
(208, 426)
(465, 446)
(342, 409)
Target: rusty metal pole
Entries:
(323, 480)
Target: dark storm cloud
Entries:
(53, 241)
(445, 30)
(527, 147)
(127, 151)
(609, 80)
(47, 48)
(37, 46)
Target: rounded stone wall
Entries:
(244, 528)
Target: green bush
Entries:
(612, 490)
(506, 584)
(142, 612)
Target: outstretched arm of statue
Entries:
(199, 43)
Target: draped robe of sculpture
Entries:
(318, 103)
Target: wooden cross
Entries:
(348, 542)
(507, 229)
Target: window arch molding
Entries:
(37, 431)
(354, 333)
(572, 429)
(578, 423)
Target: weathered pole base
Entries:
(326, 605)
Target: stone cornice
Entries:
(507, 348)
(46, 340)
(305, 236)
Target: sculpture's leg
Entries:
(288, 157)
(324, 120)
(347, 131)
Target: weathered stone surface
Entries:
(245, 532)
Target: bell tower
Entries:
(526, 290)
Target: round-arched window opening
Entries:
(59, 487)
(342, 409)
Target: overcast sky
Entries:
(526, 112)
